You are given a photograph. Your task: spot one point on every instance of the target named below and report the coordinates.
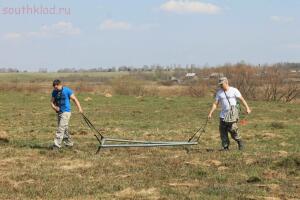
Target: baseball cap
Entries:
(222, 80)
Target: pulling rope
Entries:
(201, 130)
(91, 126)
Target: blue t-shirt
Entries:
(62, 99)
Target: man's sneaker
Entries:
(68, 143)
(69, 146)
(54, 147)
(240, 145)
(224, 149)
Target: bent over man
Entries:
(60, 103)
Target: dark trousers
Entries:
(230, 127)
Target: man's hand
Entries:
(56, 109)
(80, 110)
(209, 116)
(248, 111)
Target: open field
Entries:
(267, 169)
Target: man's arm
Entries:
(75, 100)
(248, 110)
(53, 106)
(213, 108)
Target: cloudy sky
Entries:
(84, 34)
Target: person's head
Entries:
(57, 85)
(223, 83)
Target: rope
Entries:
(201, 130)
(90, 125)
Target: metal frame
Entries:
(119, 143)
(125, 143)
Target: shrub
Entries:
(127, 85)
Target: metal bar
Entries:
(202, 129)
(99, 140)
(90, 125)
(148, 145)
(142, 141)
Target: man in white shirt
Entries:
(228, 96)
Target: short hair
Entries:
(56, 82)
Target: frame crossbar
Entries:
(105, 142)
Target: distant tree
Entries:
(43, 70)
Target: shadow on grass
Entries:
(289, 162)
(40, 146)
(31, 144)
(4, 140)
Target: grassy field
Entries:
(53, 75)
(267, 169)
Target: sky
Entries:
(58, 34)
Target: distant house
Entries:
(190, 75)
(216, 75)
(175, 80)
(293, 71)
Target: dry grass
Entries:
(268, 168)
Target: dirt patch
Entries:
(250, 161)
(222, 168)
(272, 174)
(261, 198)
(75, 164)
(194, 162)
(117, 130)
(179, 183)
(148, 134)
(7, 162)
(118, 163)
(269, 187)
(124, 176)
(88, 99)
(282, 153)
(3, 137)
(271, 198)
(18, 184)
(107, 95)
(82, 132)
(269, 135)
(214, 163)
(284, 144)
(130, 193)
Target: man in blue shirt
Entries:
(60, 103)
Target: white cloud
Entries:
(110, 24)
(59, 29)
(146, 27)
(293, 46)
(12, 36)
(281, 19)
(190, 6)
